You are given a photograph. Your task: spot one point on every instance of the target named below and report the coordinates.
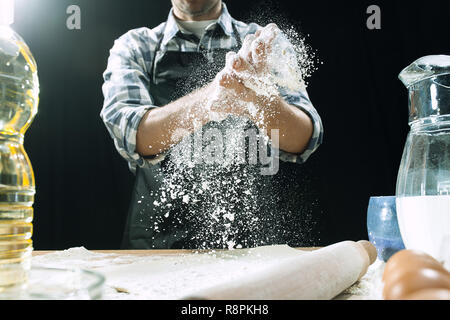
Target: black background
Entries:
(84, 186)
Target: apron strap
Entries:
(237, 35)
(158, 46)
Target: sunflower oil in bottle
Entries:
(19, 91)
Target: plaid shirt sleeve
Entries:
(301, 100)
(126, 96)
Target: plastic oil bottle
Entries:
(19, 91)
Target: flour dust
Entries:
(213, 194)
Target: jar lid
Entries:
(428, 83)
(424, 68)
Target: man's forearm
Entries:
(158, 128)
(295, 127)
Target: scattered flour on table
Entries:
(170, 277)
(370, 286)
(165, 277)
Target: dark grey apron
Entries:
(173, 225)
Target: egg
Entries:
(429, 294)
(414, 280)
(407, 260)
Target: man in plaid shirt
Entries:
(145, 109)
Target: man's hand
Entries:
(245, 80)
(244, 71)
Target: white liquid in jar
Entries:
(424, 223)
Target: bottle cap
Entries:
(6, 12)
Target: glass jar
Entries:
(423, 182)
(382, 226)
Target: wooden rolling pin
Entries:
(316, 275)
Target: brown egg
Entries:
(429, 294)
(407, 260)
(415, 280)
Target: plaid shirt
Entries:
(128, 74)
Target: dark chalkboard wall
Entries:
(83, 186)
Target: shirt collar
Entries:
(226, 21)
(171, 29)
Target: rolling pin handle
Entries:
(370, 249)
